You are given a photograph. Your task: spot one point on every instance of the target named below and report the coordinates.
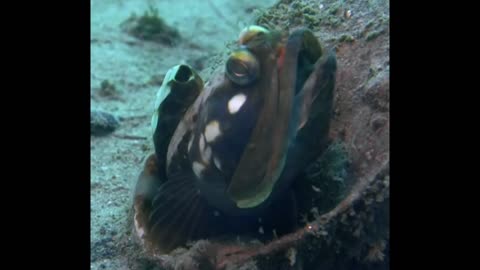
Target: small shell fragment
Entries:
(348, 14)
(292, 256)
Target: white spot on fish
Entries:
(212, 131)
(236, 102)
(217, 163)
(216, 213)
(198, 168)
(207, 154)
(260, 230)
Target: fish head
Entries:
(244, 122)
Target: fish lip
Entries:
(262, 191)
(255, 199)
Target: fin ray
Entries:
(177, 212)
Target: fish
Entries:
(227, 152)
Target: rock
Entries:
(102, 123)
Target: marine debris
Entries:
(150, 27)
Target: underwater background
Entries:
(133, 45)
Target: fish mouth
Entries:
(260, 193)
(258, 199)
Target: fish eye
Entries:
(242, 67)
